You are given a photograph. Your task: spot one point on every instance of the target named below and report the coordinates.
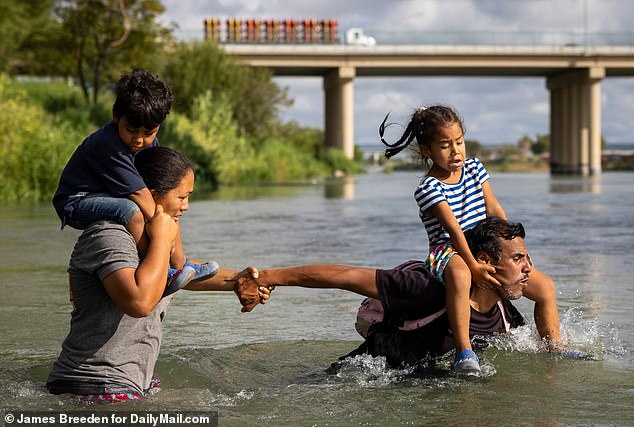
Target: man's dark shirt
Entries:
(408, 292)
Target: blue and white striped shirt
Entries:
(465, 199)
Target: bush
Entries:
(210, 138)
(41, 124)
(337, 162)
(53, 96)
(34, 146)
(278, 161)
(222, 155)
(250, 94)
(66, 102)
(310, 140)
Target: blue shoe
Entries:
(466, 362)
(177, 279)
(203, 271)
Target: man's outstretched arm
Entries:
(354, 279)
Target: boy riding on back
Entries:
(100, 182)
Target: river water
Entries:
(268, 367)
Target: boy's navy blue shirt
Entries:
(101, 164)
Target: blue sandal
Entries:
(203, 271)
(177, 279)
(466, 362)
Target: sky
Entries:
(495, 110)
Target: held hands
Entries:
(250, 290)
(481, 275)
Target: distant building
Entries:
(618, 157)
(524, 149)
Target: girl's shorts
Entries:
(437, 260)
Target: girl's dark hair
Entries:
(486, 236)
(143, 99)
(423, 125)
(162, 168)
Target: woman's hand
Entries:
(162, 226)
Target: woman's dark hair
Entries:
(423, 126)
(162, 168)
(143, 99)
(486, 236)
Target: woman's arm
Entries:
(177, 259)
(223, 280)
(144, 200)
(249, 293)
(136, 291)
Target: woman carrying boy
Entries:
(100, 181)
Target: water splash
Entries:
(523, 339)
(589, 335)
(24, 389)
(585, 335)
(229, 400)
(367, 370)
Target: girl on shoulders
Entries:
(454, 196)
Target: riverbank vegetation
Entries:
(527, 155)
(60, 58)
(55, 89)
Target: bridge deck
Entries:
(411, 60)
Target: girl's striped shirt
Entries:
(465, 199)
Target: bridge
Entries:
(573, 69)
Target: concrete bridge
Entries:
(572, 73)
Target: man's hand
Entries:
(161, 226)
(554, 346)
(249, 290)
(482, 276)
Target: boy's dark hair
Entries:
(423, 125)
(486, 236)
(162, 168)
(142, 98)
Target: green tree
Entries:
(25, 28)
(34, 147)
(475, 149)
(306, 139)
(541, 144)
(254, 99)
(107, 37)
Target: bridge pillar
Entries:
(339, 104)
(575, 121)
